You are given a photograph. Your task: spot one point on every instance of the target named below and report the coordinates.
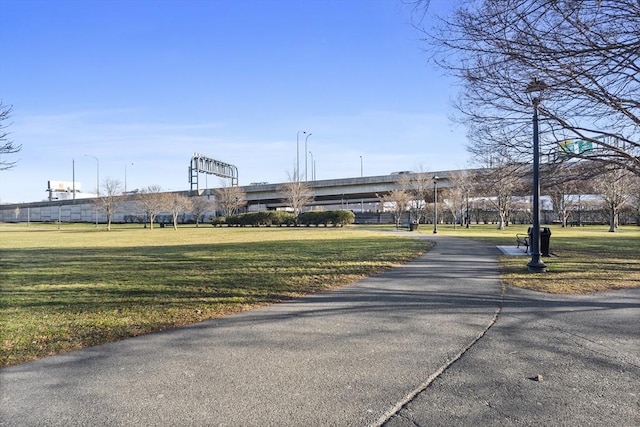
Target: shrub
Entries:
(281, 218)
(257, 219)
(217, 221)
(343, 218)
(317, 218)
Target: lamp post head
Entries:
(536, 86)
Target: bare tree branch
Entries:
(399, 201)
(297, 194)
(588, 54)
(177, 204)
(110, 200)
(7, 146)
(151, 201)
(200, 206)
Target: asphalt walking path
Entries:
(437, 341)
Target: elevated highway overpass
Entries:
(344, 193)
(334, 192)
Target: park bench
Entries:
(523, 239)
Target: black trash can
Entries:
(545, 237)
(413, 226)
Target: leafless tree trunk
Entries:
(586, 53)
(230, 199)
(6, 145)
(498, 184)
(455, 194)
(110, 199)
(419, 186)
(177, 204)
(151, 201)
(297, 194)
(400, 200)
(615, 187)
(200, 206)
(634, 201)
(564, 199)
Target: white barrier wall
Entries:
(80, 211)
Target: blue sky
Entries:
(143, 84)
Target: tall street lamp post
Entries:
(361, 176)
(313, 169)
(306, 177)
(468, 218)
(435, 204)
(536, 265)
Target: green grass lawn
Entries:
(80, 286)
(586, 259)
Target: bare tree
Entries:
(230, 199)
(200, 206)
(564, 199)
(634, 201)
(419, 186)
(297, 194)
(176, 204)
(151, 201)
(7, 146)
(615, 187)
(399, 201)
(498, 184)
(110, 199)
(585, 52)
(456, 193)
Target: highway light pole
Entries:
(306, 177)
(97, 174)
(296, 175)
(125, 177)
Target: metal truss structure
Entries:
(202, 164)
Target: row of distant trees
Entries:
(227, 200)
(572, 188)
(152, 201)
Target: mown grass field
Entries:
(80, 286)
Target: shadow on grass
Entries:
(55, 299)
